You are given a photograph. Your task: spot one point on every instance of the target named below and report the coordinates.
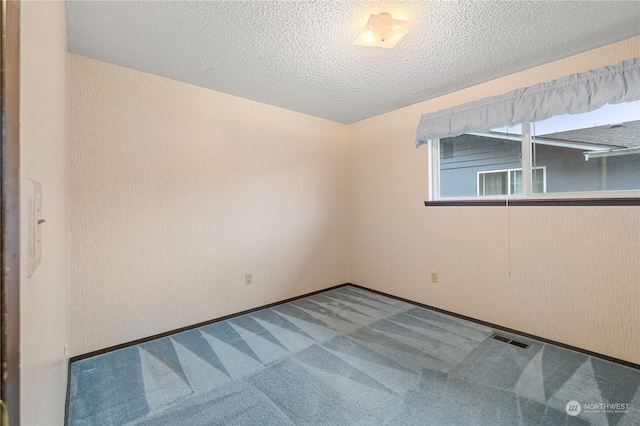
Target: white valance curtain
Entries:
(573, 94)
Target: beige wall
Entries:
(570, 274)
(44, 157)
(177, 192)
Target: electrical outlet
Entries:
(248, 279)
(434, 277)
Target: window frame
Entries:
(626, 197)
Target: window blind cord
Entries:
(533, 154)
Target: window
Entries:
(590, 155)
(509, 182)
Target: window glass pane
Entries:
(516, 182)
(538, 178)
(493, 183)
(595, 151)
(478, 164)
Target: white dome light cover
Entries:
(383, 31)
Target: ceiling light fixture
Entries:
(383, 31)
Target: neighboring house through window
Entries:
(596, 153)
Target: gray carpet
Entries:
(349, 357)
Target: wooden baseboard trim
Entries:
(190, 327)
(433, 308)
(508, 330)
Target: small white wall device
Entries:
(35, 221)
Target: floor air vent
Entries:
(501, 338)
(509, 341)
(519, 344)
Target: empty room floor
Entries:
(348, 356)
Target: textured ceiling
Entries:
(300, 55)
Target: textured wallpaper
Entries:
(570, 274)
(177, 192)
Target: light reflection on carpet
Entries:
(346, 356)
